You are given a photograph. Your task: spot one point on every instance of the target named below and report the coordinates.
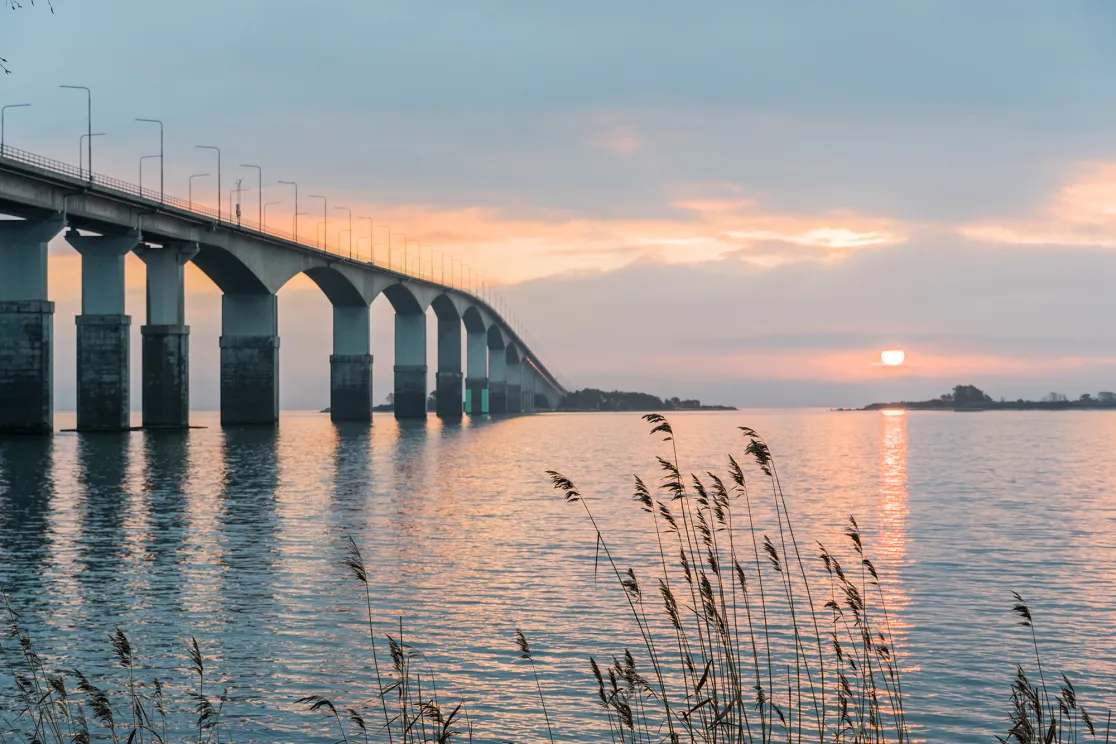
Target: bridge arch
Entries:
(228, 271)
(474, 322)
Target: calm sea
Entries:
(236, 537)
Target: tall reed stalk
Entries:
(737, 649)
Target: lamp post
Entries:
(218, 149)
(259, 172)
(2, 110)
(161, 163)
(81, 148)
(292, 183)
(143, 158)
(350, 231)
(88, 119)
(238, 192)
(404, 236)
(325, 221)
(389, 245)
(371, 239)
(191, 189)
(263, 212)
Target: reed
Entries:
(736, 647)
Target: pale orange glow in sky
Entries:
(507, 248)
(1082, 213)
(849, 365)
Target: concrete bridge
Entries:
(249, 264)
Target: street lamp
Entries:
(292, 183)
(238, 191)
(196, 175)
(81, 148)
(2, 110)
(388, 228)
(89, 121)
(259, 172)
(350, 211)
(325, 221)
(263, 212)
(218, 149)
(160, 123)
(143, 158)
(404, 236)
(371, 240)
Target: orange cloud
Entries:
(1083, 213)
(623, 141)
(508, 247)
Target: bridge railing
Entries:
(160, 199)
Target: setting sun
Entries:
(893, 357)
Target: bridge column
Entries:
(410, 365)
(497, 380)
(249, 359)
(165, 338)
(515, 385)
(448, 392)
(103, 331)
(26, 327)
(476, 383)
(350, 366)
(553, 397)
(529, 378)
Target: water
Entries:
(236, 537)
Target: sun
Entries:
(893, 357)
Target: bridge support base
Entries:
(448, 395)
(515, 398)
(103, 372)
(410, 391)
(26, 367)
(350, 387)
(497, 397)
(476, 396)
(249, 380)
(166, 376)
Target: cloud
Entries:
(1082, 213)
(623, 141)
(517, 244)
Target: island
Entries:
(972, 398)
(591, 399)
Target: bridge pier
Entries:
(476, 383)
(497, 380)
(165, 339)
(350, 365)
(26, 327)
(103, 332)
(515, 384)
(410, 365)
(529, 378)
(249, 359)
(448, 391)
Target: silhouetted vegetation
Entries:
(971, 398)
(591, 399)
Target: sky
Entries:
(739, 201)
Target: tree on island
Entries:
(969, 395)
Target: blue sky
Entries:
(741, 201)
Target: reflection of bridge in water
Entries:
(249, 264)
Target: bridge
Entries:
(104, 219)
